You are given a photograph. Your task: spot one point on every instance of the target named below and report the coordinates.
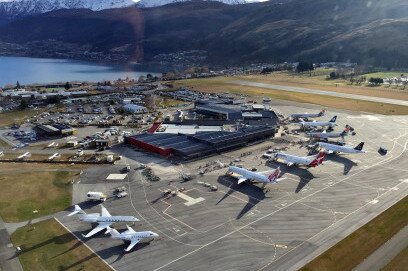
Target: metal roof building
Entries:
(200, 144)
(224, 111)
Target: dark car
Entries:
(383, 151)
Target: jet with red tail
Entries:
(308, 161)
(244, 175)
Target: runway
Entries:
(321, 92)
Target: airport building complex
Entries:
(221, 126)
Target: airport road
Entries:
(8, 258)
(240, 227)
(321, 92)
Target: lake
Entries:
(29, 70)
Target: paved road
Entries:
(8, 259)
(12, 227)
(388, 251)
(321, 92)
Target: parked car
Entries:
(383, 151)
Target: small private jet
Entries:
(132, 236)
(104, 219)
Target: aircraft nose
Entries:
(155, 234)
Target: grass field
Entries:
(352, 250)
(23, 192)
(9, 118)
(222, 85)
(320, 82)
(400, 262)
(168, 102)
(384, 74)
(3, 144)
(48, 246)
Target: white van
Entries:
(96, 196)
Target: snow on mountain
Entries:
(14, 9)
(155, 3)
(21, 8)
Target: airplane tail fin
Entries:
(360, 146)
(274, 176)
(112, 231)
(346, 130)
(77, 210)
(318, 160)
(333, 119)
(322, 112)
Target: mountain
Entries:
(156, 3)
(10, 10)
(274, 31)
(16, 9)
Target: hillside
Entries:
(315, 30)
(11, 10)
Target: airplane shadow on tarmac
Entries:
(255, 194)
(348, 164)
(303, 173)
(119, 250)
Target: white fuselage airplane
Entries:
(330, 123)
(308, 161)
(262, 177)
(325, 135)
(331, 148)
(105, 219)
(27, 154)
(132, 236)
(308, 115)
(55, 155)
(51, 145)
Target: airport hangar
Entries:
(253, 124)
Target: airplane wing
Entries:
(104, 211)
(98, 228)
(241, 180)
(132, 244)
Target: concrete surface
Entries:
(240, 227)
(321, 92)
(8, 258)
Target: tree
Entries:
(376, 81)
(18, 86)
(304, 66)
(67, 85)
(332, 75)
(266, 70)
(23, 104)
(141, 79)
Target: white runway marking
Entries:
(292, 203)
(115, 176)
(190, 201)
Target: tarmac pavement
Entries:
(242, 227)
(321, 92)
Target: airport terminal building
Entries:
(195, 138)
